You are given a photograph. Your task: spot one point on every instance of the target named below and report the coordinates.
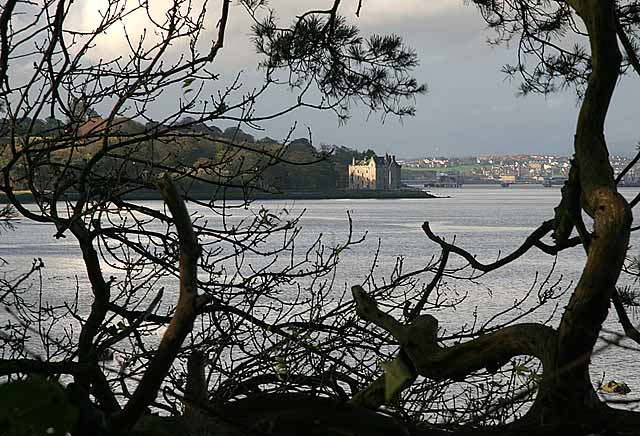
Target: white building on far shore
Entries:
(379, 173)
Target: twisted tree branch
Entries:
(186, 310)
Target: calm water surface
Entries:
(488, 221)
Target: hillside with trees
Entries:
(212, 152)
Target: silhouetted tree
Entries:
(573, 43)
(270, 346)
(172, 292)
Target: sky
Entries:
(471, 107)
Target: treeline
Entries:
(230, 157)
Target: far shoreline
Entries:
(150, 194)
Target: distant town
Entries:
(532, 169)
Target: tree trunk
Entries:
(569, 393)
(182, 321)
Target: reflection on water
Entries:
(489, 222)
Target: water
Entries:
(487, 221)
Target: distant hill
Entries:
(204, 150)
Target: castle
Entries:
(380, 173)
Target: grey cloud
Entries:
(470, 107)
(465, 83)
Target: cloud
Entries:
(372, 10)
(470, 107)
(380, 11)
(139, 24)
(377, 16)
